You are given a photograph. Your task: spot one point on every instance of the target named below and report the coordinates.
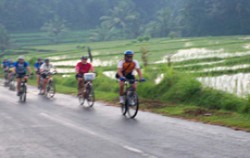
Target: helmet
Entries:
(39, 59)
(84, 57)
(46, 60)
(21, 57)
(128, 52)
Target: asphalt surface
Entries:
(60, 128)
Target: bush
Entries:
(184, 88)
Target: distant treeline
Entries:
(110, 19)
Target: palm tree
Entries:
(165, 22)
(55, 28)
(121, 17)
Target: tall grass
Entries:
(184, 88)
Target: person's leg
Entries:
(121, 84)
(45, 81)
(38, 80)
(80, 85)
(18, 80)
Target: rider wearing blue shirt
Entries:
(11, 67)
(37, 66)
(21, 68)
(5, 64)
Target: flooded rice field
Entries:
(238, 84)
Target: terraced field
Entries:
(219, 62)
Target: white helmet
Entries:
(21, 57)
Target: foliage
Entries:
(4, 38)
(55, 28)
(131, 18)
(124, 18)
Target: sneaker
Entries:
(18, 93)
(121, 101)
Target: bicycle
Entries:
(50, 89)
(88, 93)
(131, 105)
(6, 72)
(23, 90)
(11, 82)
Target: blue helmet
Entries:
(128, 52)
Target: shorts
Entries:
(79, 76)
(44, 76)
(130, 77)
(20, 75)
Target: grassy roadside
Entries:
(235, 120)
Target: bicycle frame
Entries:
(23, 90)
(131, 105)
(87, 94)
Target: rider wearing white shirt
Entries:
(45, 68)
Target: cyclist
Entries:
(45, 69)
(4, 66)
(125, 70)
(37, 66)
(11, 67)
(20, 69)
(81, 68)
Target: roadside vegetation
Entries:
(177, 93)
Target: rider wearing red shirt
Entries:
(81, 68)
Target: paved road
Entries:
(60, 128)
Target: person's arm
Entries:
(35, 66)
(138, 70)
(77, 68)
(119, 69)
(92, 69)
(14, 70)
(41, 68)
(29, 70)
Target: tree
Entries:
(103, 33)
(4, 38)
(122, 17)
(55, 28)
(166, 21)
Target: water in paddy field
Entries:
(224, 68)
(200, 53)
(110, 74)
(96, 62)
(238, 84)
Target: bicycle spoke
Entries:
(133, 105)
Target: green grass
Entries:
(223, 118)
(179, 95)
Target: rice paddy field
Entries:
(221, 63)
(205, 79)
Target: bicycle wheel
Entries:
(132, 105)
(90, 95)
(12, 85)
(23, 94)
(124, 106)
(50, 89)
